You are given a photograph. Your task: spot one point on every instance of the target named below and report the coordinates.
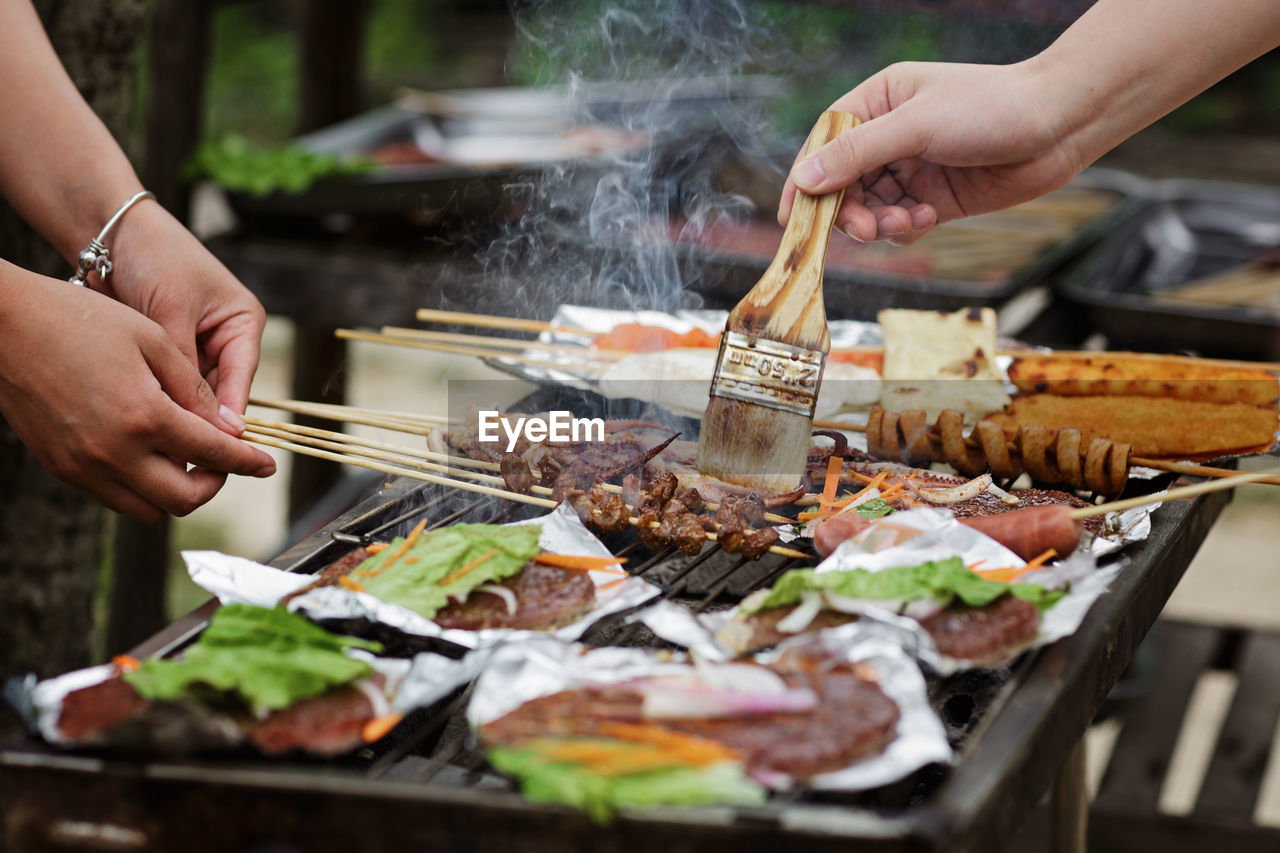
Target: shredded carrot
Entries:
(458, 573)
(347, 582)
(400, 550)
(610, 584)
(377, 547)
(1009, 574)
(378, 727)
(832, 483)
(579, 563)
(126, 663)
(658, 736)
(863, 477)
(1040, 560)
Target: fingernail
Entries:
(231, 419)
(266, 470)
(847, 230)
(808, 173)
(888, 226)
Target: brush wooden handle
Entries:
(786, 303)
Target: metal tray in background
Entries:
(722, 277)
(1182, 231)
(429, 190)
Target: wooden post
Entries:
(331, 45)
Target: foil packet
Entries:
(408, 684)
(235, 579)
(937, 536)
(516, 674)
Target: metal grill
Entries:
(1009, 748)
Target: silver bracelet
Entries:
(96, 255)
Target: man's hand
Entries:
(106, 401)
(937, 142)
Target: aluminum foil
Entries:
(410, 684)
(235, 579)
(516, 674)
(844, 333)
(940, 536)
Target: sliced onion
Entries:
(505, 593)
(797, 620)
(1002, 494)
(738, 677)
(923, 608)
(955, 494)
(377, 698)
(854, 606)
(672, 701)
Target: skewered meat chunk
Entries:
(516, 473)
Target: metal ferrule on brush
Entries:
(767, 373)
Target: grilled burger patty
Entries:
(852, 720)
(546, 597)
(984, 634)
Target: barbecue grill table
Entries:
(1023, 738)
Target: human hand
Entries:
(162, 271)
(107, 402)
(939, 141)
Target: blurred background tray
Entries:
(981, 261)
(459, 153)
(1183, 234)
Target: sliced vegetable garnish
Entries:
(448, 563)
(581, 563)
(944, 580)
(874, 508)
(267, 658)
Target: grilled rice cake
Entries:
(1179, 379)
(1154, 426)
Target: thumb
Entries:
(852, 154)
(182, 382)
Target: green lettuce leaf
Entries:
(413, 580)
(264, 658)
(543, 781)
(874, 508)
(945, 580)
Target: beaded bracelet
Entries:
(96, 255)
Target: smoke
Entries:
(674, 73)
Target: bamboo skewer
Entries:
(424, 425)
(496, 342)
(376, 338)
(415, 473)
(1176, 494)
(493, 321)
(432, 460)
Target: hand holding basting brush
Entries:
(756, 430)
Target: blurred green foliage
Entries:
(252, 84)
(252, 81)
(237, 164)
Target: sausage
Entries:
(1032, 531)
(830, 532)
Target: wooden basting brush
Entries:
(757, 427)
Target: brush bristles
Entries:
(753, 445)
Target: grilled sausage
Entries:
(1032, 531)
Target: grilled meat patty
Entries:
(984, 634)
(546, 597)
(852, 720)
